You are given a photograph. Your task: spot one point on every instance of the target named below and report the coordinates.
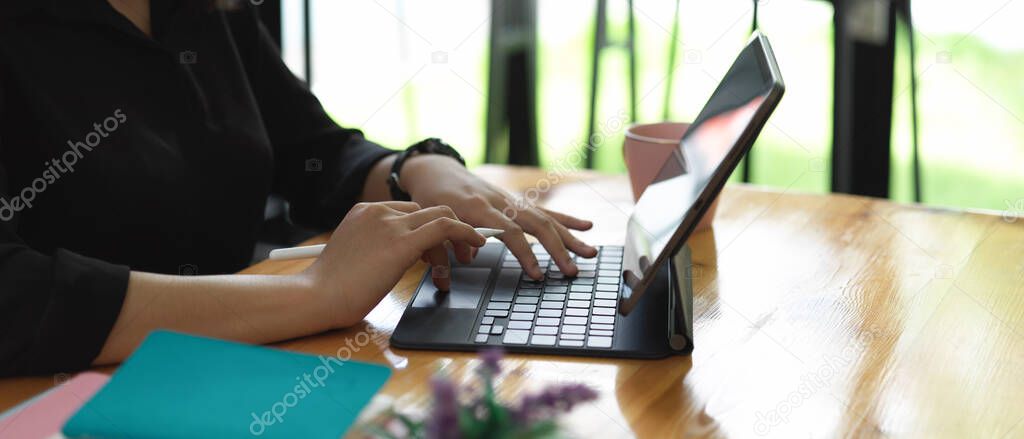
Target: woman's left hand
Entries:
(434, 180)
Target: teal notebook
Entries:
(182, 386)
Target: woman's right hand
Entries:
(373, 247)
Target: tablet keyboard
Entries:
(559, 311)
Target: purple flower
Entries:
(491, 359)
(444, 424)
(551, 401)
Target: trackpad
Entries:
(468, 286)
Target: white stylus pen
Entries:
(312, 251)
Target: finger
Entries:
(463, 252)
(436, 232)
(420, 217)
(574, 244)
(568, 220)
(513, 237)
(402, 206)
(543, 228)
(440, 267)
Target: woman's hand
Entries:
(373, 247)
(364, 259)
(435, 180)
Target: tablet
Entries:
(693, 176)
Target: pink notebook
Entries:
(46, 416)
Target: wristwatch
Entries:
(428, 146)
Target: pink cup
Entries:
(645, 151)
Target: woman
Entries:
(141, 138)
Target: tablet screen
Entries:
(692, 176)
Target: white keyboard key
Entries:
(573, 329)
(609, 320)
(579, 304)
(549, 313)
(575, 320)
(603, 311)
(605, 303)
(601, 327)
(522, 316)
(545, 330)
(543, 340)
(601, 333)
(547, 321)
(513, 336)
(527, 300)
(571, 343)
(577, 312)
(572, 336)
(518, 324)
(522, 307)
(599, 342)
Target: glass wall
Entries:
(404, 70)
(969, 64)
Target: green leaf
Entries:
(470, 426)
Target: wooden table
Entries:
(815, 316)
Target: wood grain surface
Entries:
(815, 316)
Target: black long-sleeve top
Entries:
(120, 151)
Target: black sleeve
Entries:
(320, 167)
(56, 310)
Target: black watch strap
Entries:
(428, 146)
